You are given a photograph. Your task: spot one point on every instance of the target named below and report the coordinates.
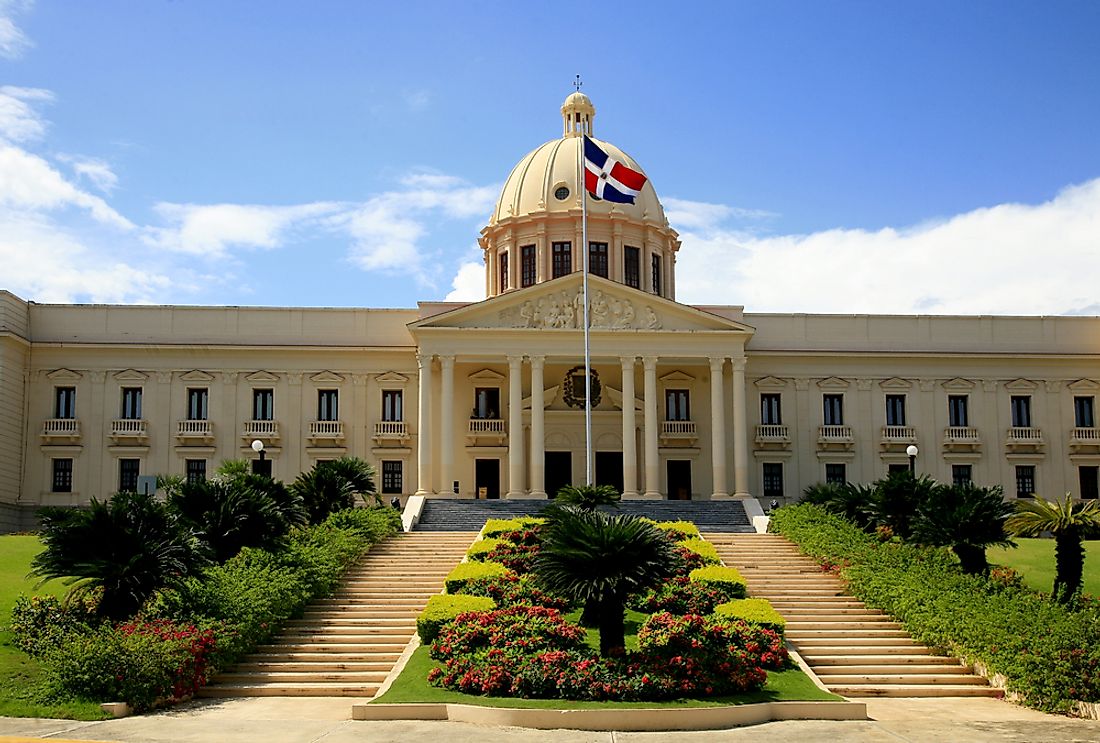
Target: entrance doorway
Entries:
(1088, 479)
(679, 479)
(609, 469)
(558, 472)
(487, 478)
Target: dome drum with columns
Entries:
(534, 232)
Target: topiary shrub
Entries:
(683, 596)
(467, 571)
(754, 611)
(728, 580)
(443, 608)
(480, 549)
(496, 527)
(511, 589)
(679, 530)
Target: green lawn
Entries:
(1034, 559)
(21, 680)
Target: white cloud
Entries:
(19, 122)
(699, 214)
(210, 230)
(468, 284)
(1005, 259)
(13, 42)
(97, 171)
(29, 182)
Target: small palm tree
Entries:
(332, 486)
(896, 499)
(968, 519)
(129, 546)
(588, 497)
(848, 500)
(599, 560)
(1070, 522)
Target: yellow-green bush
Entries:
(467, 571)
(702, 548)
(729, 579)
(679, 529)
(442, 608)
(753, 611)
(481, 547)
(496, 527)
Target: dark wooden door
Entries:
(559, 471)
(487, 478)
(679, 479)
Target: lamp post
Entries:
(260, 466)
(912, 451)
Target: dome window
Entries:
(561, 193)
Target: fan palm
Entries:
(588, 497)
(129, 546)
(599, 560)
(968, 519)
(850, 501)
(1070, 522)
(896, 499)
(332, 486)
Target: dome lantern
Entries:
(577, 114)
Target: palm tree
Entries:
(1070, 522)
(968, 519)
(588, 497)
(599, 560)
(896, 499)
(332, 486)
(129, 546)
(848, 500)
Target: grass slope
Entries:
(1034, 559)
(22, 693)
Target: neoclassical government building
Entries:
(486, 399)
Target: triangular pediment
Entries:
(63, 375)
(833, 383)
(958, 384)
(262, 376)
(195, 375)
(558, 305)
(1022, 385)
(677, 376)
(770, 383)
(486, 375)
(1084, 385)
(326, 377)
(895, 383)
(392, 377)
(131, 375)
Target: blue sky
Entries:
(937, 157)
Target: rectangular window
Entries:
(958, 414)
(62, 476)
(196, 470)
(196, 404)
(833, 413)
(1083, 413)
(527, 265)
(1021, 411)
(391, 477)
(895, 469)
(64, 405)
(836, 473)
(128, 470)
(263, 405)
(1025, 480)
(597, 259)
(770, 412)
(773, 480)
(895, 410)
(1088, 477)
(676, 405)
(131, 403)
(655, 269)
(632, 267)
(562, 259)
(962, 474)
(391, 406)
(328, 408)
(486, 403)
(503, 259)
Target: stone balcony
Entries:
(1084, 440)
(1024, 439)
(835, 438)
(391, 431)
(678, 432)
(129, 431)
(486, 432)
(773, 436)
(961, 439)
(194, 432)
(61, 431)
(326, 431)
(265, 431)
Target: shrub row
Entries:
(1048, 654)
(753, 611)
(443, 608)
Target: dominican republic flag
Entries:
(607, 178)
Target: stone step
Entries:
(878, 661)
(840, 624)
(832, 674)
(916, 679)
(278, 675)
(361, 648)
(348, 636)
(915, 690)
(819, 650)
(315, 657)
(358, 666)
(840, 602)
(352, 612)
(318, 689)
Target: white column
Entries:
(424, 426)
(630, 447)
(515, 427)
(446, 424)
(718, 427)
(538, 434)
(740, 431)
(652, 476)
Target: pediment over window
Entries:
(326, 377)
(895, 383)
(770, 383)
(1084, 385)
(958, 384)
(833, 383)
(392, 377)
(196, 375)
(487, 375)
(131, 375)
(262, 376)
(677, 376)
(1022, 385)
(64, 375)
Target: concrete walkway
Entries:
(297, 720)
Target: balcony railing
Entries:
(391, 430)
(326, 429)
(834, 434)
(961, 438)
(483, 426)
(899, 433)
(1026, 436)
(772, 433)
(678, 429)
(260, 430)
(194, 429)
(129, 428)
(1084, 439)
(61, 428)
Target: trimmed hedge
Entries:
(753, 611)
(728, 579)
(1048, 654)
(468, 571)
(480, 549)
(703, 548)
(443, 608)
(496, 527)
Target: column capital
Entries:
(716, 363)
(628, 362)
(424, 359)
(537, 361)
(649, 362)
(514, 362)
(447, 361)
(739, 363)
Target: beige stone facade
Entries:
(487, 398)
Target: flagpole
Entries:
(589, 479)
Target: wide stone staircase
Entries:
(854, 650)
(345, 645)
(445, 514)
